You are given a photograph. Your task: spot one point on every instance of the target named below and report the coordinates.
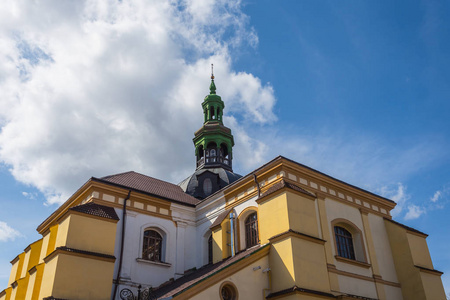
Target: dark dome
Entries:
(205, 182)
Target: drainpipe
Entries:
(233, 251)
(124, 215)
(257, 185)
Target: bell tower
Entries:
(213, 141)
(213, 150)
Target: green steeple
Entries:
(213, 141)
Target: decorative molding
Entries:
(429, 271)
(353, 262)
(292, 233)
(333, 269)
(157, 263)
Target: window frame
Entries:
(358, 241)
(344, 243)
(253, 239)
(240, 227)
(232, 286)
(164, 244)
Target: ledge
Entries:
(430, 271)
(352, 261)
(158, 263)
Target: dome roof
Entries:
(207, 181)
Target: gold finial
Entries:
(212, 71)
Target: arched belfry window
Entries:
(152, 246)
(251, 230)
(344, 243)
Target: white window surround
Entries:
(357, 238)
(241, 220)
(164, 247)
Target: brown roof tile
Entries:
(150, 185)
(187, 281)
(220, 218)
(96, 210)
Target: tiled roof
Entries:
(220, 218)
(150, 185)
(283, 183)
(187, 281)
(299, 289)
(96, 210)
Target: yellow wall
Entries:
(414, 283)
(217, 244)
(273, 216)
(12, 275)
(44, 247)
(302, 214)
(52, 239)
(419, 251)
(310, 265)
(71, 280)
(22, 288)
(433, 286)
(20, 266)
(34, 254)
(48, 278)
(282, 265)
(226, 238)
(35, 282)
(250, 284)
(7, 295)
(91, 234)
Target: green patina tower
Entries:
(213, 151)
(213, 142)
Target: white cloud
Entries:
(436, 196)
(94, 88)
(414, 212)
(7, 233)
(397, 194)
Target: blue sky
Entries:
(358, 90)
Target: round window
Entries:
(207, 186)
(228, 292)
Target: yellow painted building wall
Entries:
(250, 284)
(71, 281)
(302, 214)
(52, 239)
(217, 244)
(273, 216)
(419, 251)
(415, 284)
(282, 265)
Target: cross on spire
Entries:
(212, 71)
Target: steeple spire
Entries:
(212, 86)
(213, 142)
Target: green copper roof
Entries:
(212, 86)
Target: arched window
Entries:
(251, 230)
(152, 246)
(210, 249)
(344, 243)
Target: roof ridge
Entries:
(112, 175)
(129, 172)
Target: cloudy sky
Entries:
(358, 90)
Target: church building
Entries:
(283, 231)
